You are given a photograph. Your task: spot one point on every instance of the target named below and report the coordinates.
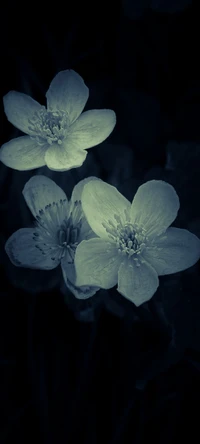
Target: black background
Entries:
(126, 375)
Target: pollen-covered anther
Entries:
(77, 213)
(49, 126)
(57, 231)
(130, 239)
(111, 229)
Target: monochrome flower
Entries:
(135, 244)
(59, 134)
(60, 226)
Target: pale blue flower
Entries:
(59, 134)
(135, 245)
(60, 226)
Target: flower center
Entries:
(57, 234)
(130, 239)
(49, 126)
(68, 234)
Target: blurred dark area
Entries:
(102, 370)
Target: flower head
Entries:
(60, 226)
(135, 244)
(59, 134)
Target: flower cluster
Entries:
(98, 238)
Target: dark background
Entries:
(102, 370)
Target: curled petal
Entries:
(101, 202)
(97, 263)
(22, 251)
(175, 251)
(64, 157)
(19, 108)
(85, 230)
(40, 191)
(92, 127)
(154, 207)
(138, 284)
(68, 92)
(23, 154)
(78, 189)
(69, 275)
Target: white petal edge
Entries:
(96, 262)
(78, 188)
(64, 157)
(40, 191)
(85, 230)
(69, 275)
(22, 252)
(92, 127)
(175, 251)
(19, 108)
(68, 92)
(154, 207)
(23, 154)
(101, 202)
(138, 284)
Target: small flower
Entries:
(135, 245)
(58, 135)
(60, 226)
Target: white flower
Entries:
(135, 245)
(60, 226)
(58, 135)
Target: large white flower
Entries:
(60, 226)
(58, 135)
(135, 245)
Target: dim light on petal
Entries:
(155, 206)
(101, 202)
(68, 92)
(175, 251)
(22, 251)
(85, 230)
(40, 191)
(23, 154)
(97, 263)
(64, 157)
(19, 108)
(69, 275)
(138, 284)
(92, 127)
(78, 188)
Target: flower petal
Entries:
(85, 229)
(69, 275)
(154, 206)
(97, 263)
(23, 154)
(101, 202)
(22, 251)
(78, 188)
(68, 92)
(92, 127)
(64, 157)
(40, 191)
(175, 251)
(138, 284)
(19, 108)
